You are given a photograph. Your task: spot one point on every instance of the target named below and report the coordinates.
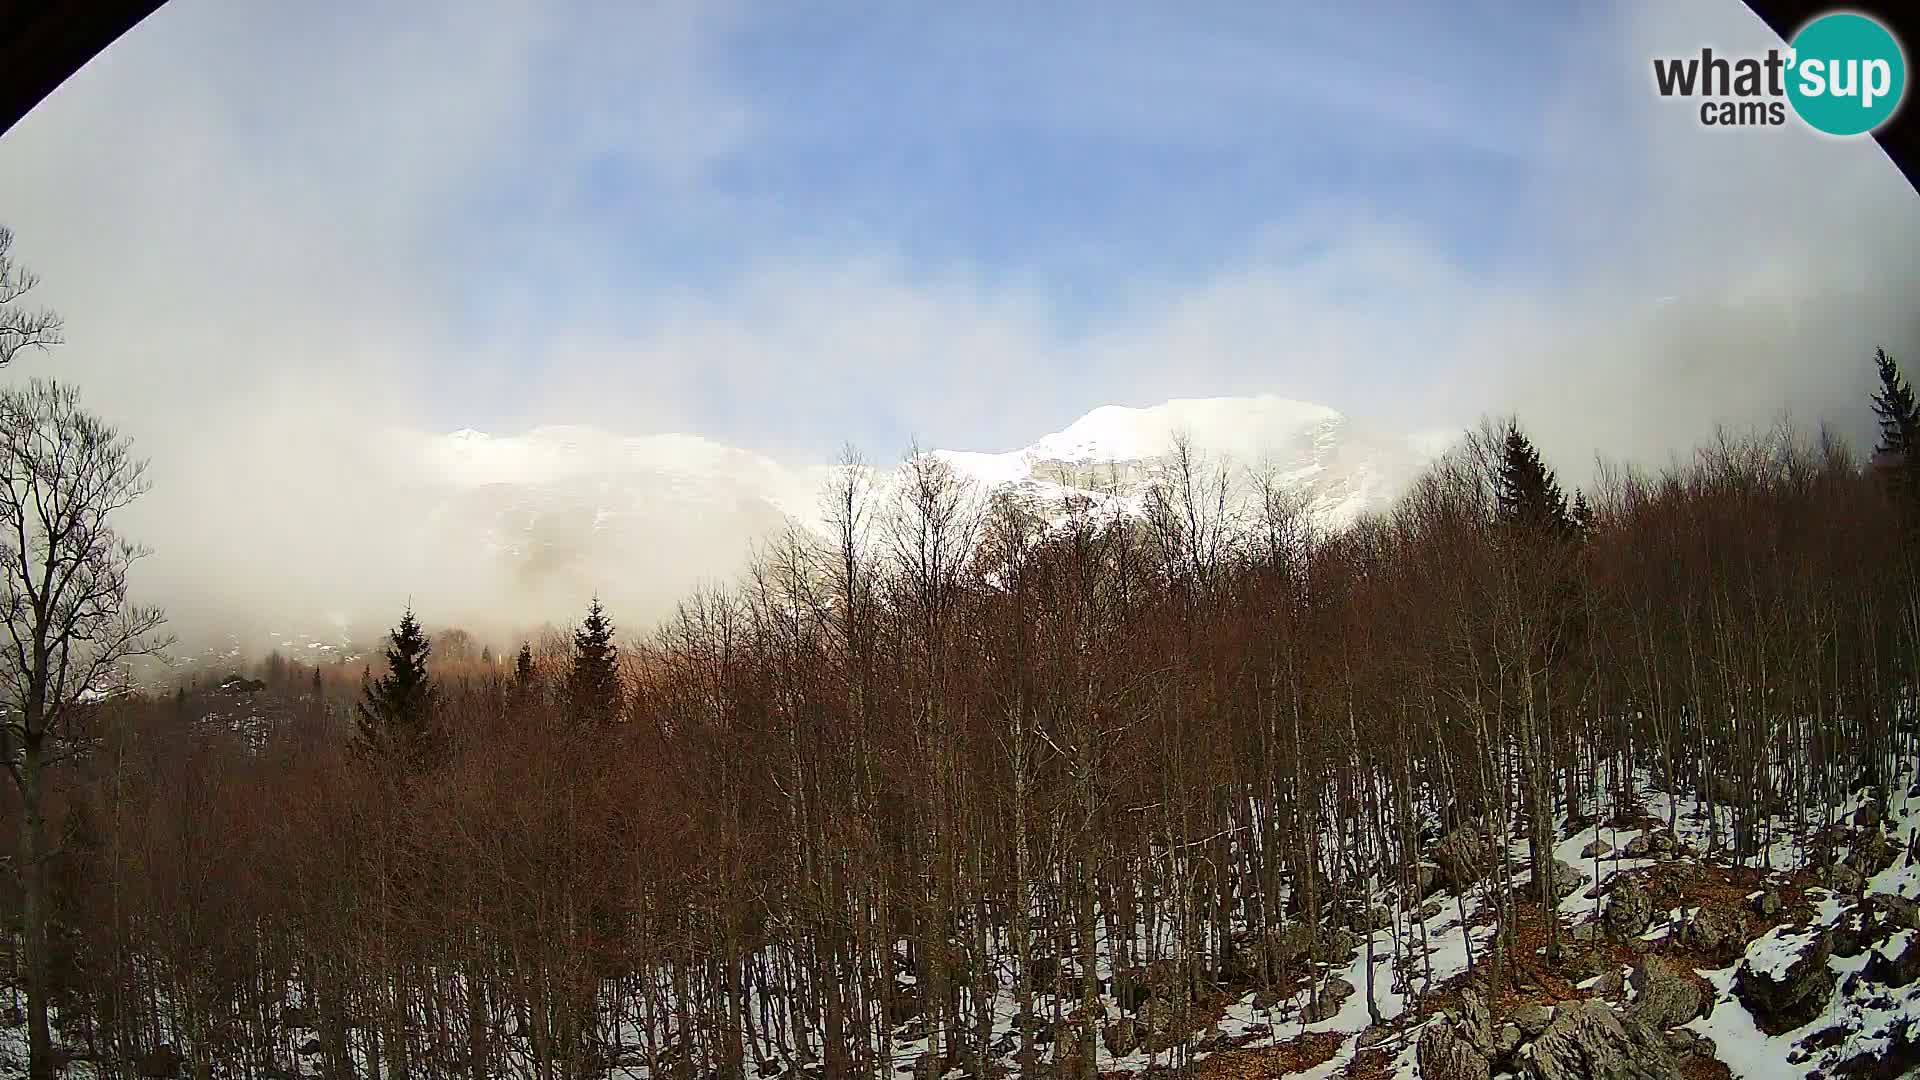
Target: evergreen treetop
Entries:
(1894, 407)
(1528, 498)
(396, 713)
(1898, 414)
(1581, 516)
(593, 685)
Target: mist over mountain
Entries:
(519, 530)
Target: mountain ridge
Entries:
(561, 511)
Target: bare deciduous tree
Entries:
(21, 327)
(71, 628)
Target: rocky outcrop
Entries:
(1426, 879)
(1655, 843)
(1566, 879)
(1462, 1043)
(1327, 1001)
(1531, 1019)
(1629, 909)
(1445, 1054)
(1664, 997)
(1597, 849)
(1472, 1019)
(1864, 926)
(1872, 852)
(1588, 1041)
(1370, 917)
(1463, 858)
(1841, 878)
(1896, 961)
(1713, 932)
(1785, 981)
(1687, 1044)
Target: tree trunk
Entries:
(33, 888)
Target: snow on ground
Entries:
(1866, 1013)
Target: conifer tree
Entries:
(523, 666)
(396, 713)
(593, 684)
(1581, 517)
(1899, 417)
(1528, 498)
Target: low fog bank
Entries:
(263, 305)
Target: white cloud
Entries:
(251, 245)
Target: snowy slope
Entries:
(534, 522)
(1116, 452)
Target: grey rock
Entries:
(1444, 1055)
(1336, 946)
(1788, 998)
(1567, 879)
(1609, 983)
(1715, 933)
(1473, 1020)
(1426, 880)
(1872, 852)
(1894, 967)
(1899, 910)
(1629, 909)
(1463, 858)
(1370, 917)
(1531, 1019)
(1328, 1001)
(1841, 878)
(1506, 1043)
(1690, 1044)
(1663, 995)
(1289, 945)
(1598, 849)
(1587, 1041)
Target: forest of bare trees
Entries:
(968, 756)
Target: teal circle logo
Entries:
(1847, 74)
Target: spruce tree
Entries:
(593, 684)
(1894, 407)
(396, 714)
(1527, 497)
(1899, 417)
(1581, 517)
(523, 666)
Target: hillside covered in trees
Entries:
(970, 790)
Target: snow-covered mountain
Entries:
(557, 512)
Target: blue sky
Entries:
(276, 228)
(1083, 150)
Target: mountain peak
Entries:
(1240, 427)
(558, 509)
